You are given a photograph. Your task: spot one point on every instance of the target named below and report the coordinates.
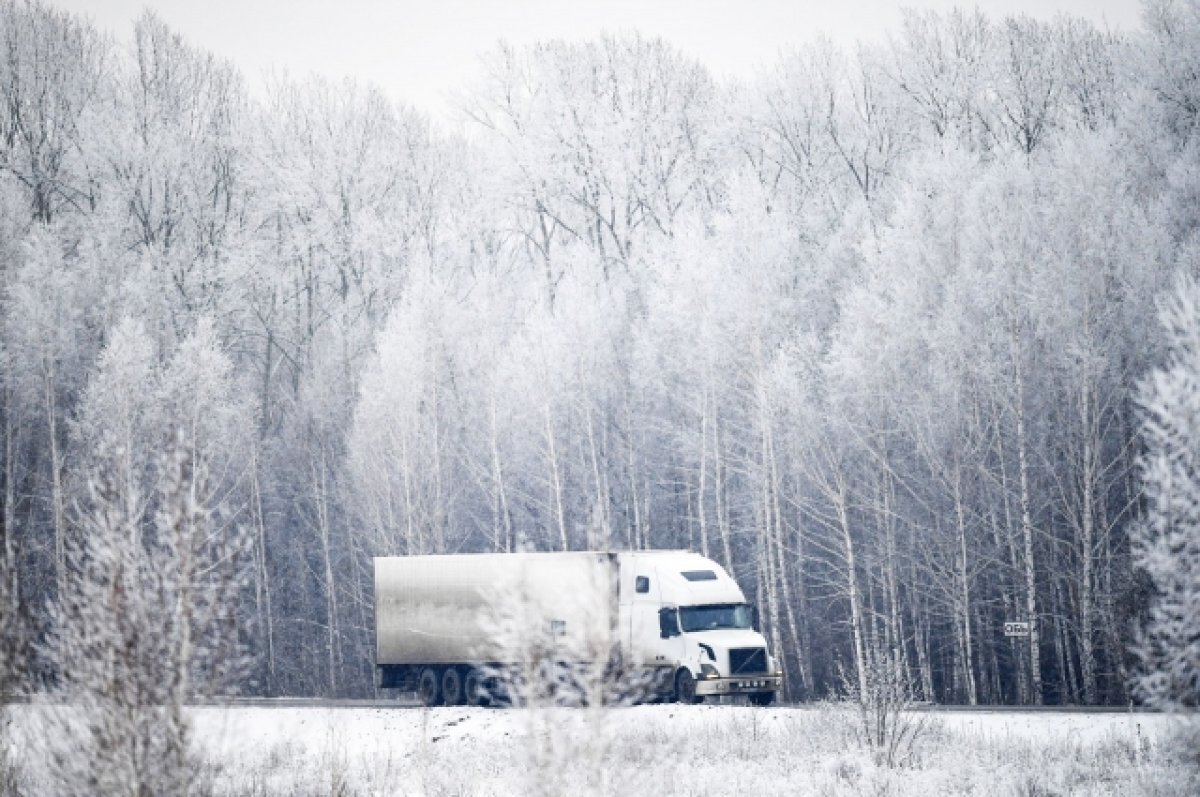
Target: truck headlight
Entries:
(708, 671)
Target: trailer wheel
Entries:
(685, 688)
(762, 698)
(452, 687)
(474, 689)
(428, 689)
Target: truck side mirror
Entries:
(754, 619)
(668, 623)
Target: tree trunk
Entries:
(556, 497)
(320, 487)
(600, 525)
(414, 537)
(1012, 600)
(10, 587)
(852, 588)
(262, 581)
(775, 530)
(896, 638)
(440, 514)
(502, 533)
(1070, 679)
(766, 566)
(965, 589)
(701, 511)
(56, 497)
(1087, 548)
(722, 506)
(804, 649)
(1031, 602)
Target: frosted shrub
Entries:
(140, 633)
(568, 680)
(883, 701)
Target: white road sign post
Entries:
(1016, 629)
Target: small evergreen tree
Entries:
(1167, 541)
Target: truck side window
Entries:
(642, 584)
(668, 622)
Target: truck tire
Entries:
(452, 687)
(474, 688)
(429, 688)
(762, 698)
(685, 688)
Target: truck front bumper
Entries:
(741, 685)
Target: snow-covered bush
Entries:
(568, 681)
(883, 700)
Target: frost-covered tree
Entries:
(602, 144)
(43, 328)
(50, 75)
(1168, 538)
(146, 621)
(1174, 28)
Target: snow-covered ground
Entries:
(676, 750)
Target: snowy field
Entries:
(673, 750)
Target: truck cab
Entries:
(690, 624)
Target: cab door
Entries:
(649, 647)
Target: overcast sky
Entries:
(419, 51)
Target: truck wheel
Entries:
(762, 698)
(473, 688)
(685, 688)
(452, 687)
(428, 689)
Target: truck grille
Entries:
(747, 661)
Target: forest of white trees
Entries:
(868, 330)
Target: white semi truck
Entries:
(445, 626)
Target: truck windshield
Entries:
(716, 615)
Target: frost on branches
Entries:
(154, 572)
(1168, 540)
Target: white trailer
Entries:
(445, 625)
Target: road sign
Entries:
(1016, 629)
